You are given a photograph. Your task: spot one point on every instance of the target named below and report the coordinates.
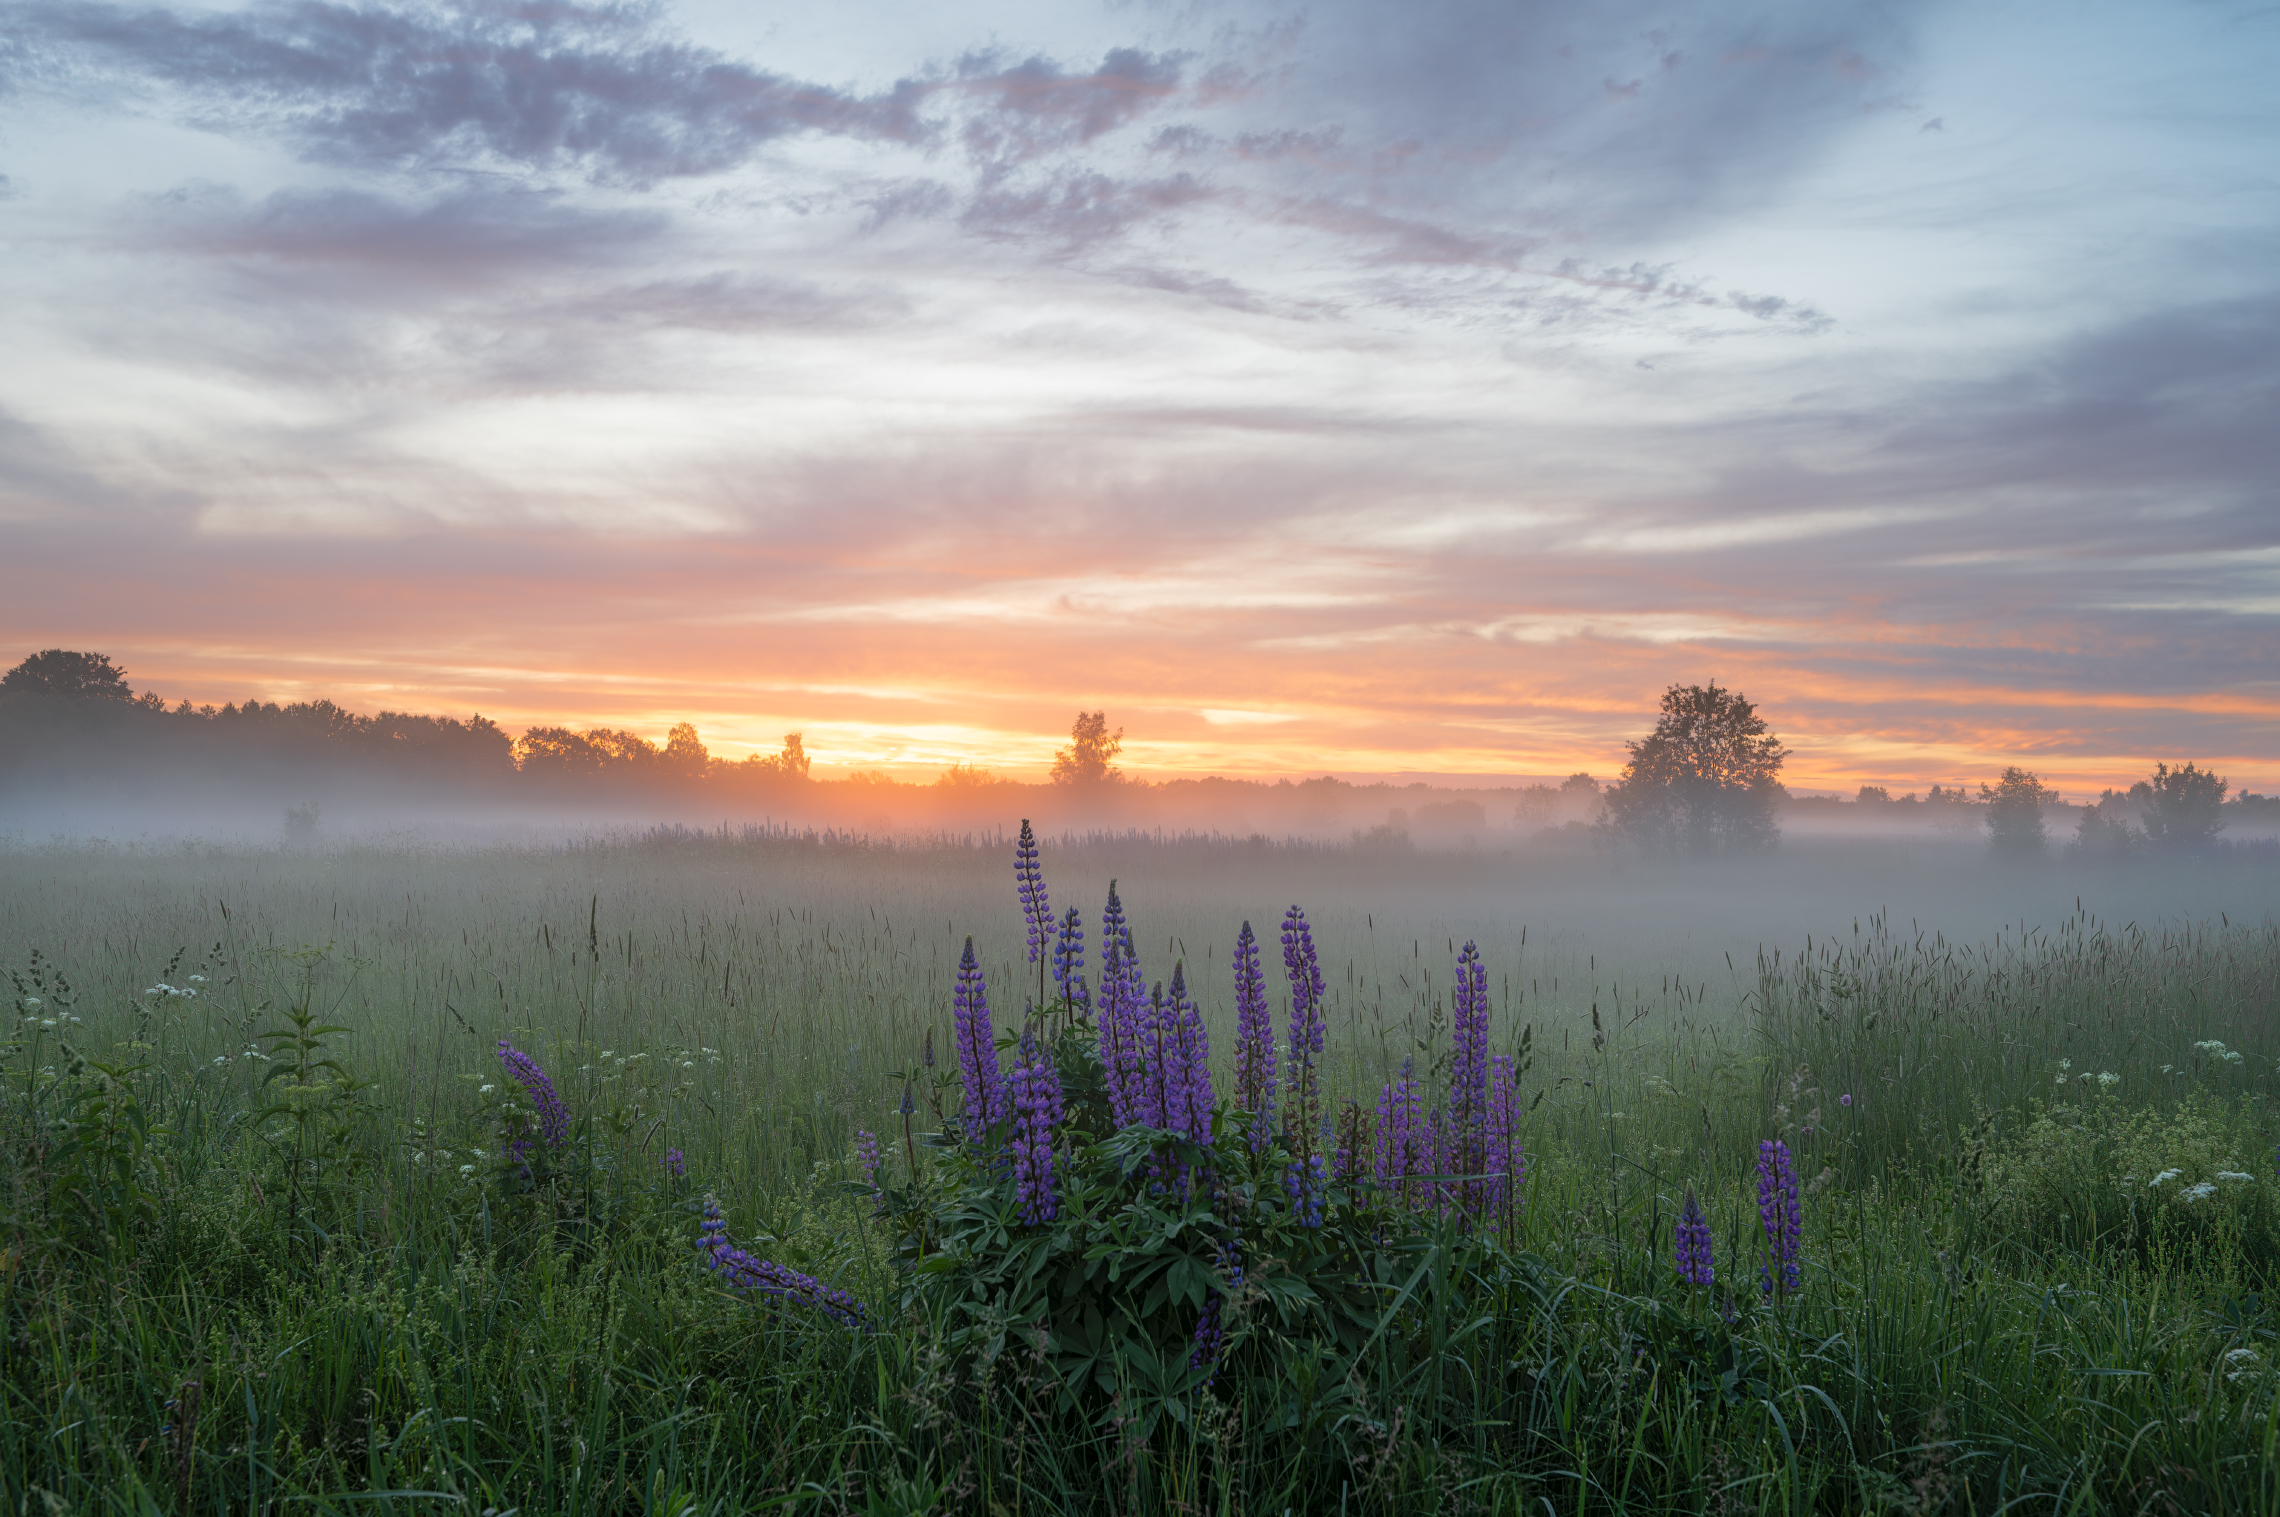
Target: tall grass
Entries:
(394, 1336)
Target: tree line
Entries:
(88, 692)
(1706, 781)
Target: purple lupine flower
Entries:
(1069, 959)
(1307, 993)
(977, 1048)
(1211, 1326)
(1118, 1057)
(1400, 1136)
(1036, 1090)
(1210, 1336)
(1126, 1026)
(675, 1165)
(1254, 1040)
(742, 1272)
(1694, 1265)
(1186, 1052)
(1036, 911)
(867, 1156)
(553, 1116)
(1780, 1212)
(1468, 1075)
(1346, 1159)
(1156, 1072)
(1305, 1184)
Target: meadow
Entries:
(283, 1232)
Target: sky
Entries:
(1351, 388)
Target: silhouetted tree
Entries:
(1704, 781)
(1089, 758)
(2015, 813)
(56, 671)
(2183, 808)
(686, 756)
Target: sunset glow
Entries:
(1345, 389)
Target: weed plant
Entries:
(284, 1231)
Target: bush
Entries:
(2190, 1179)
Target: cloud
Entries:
(1075, 210)
(604, 89)
(467, 237)
(1034, 107)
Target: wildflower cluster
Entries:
(1475, 1137)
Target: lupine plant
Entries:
(1254, 1041)
(1782, 1216)
(1694, 1262)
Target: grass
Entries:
(1999, 1310)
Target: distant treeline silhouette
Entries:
(1704, 781)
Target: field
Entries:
(2028, 1110)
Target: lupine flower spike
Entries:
(1036, 1090)
(675, 1165)
(1782, 1216)
(742, 1272)
(1069, 960)
(1307, 993)
(1036, 911)
(867, 1156)
(1186, 1055)
(1694, 1266)
(1304, 1177)
(1254, 1040)
(977, 1047)
(553, 1116)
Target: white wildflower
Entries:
(2066, 1064)
(2108, 1077)
(33, 1003)
(221, 1058)
(2200, 1192)
(2233, 1174)
(2164, 1177)
(486, 1090)
(467, 1169)
(197, 979)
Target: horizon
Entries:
(1310, 391)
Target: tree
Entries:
(2015, 813)
(685, 752)
(1704, 781)
(81, 676)
(1088, 760)
(2183, 807)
